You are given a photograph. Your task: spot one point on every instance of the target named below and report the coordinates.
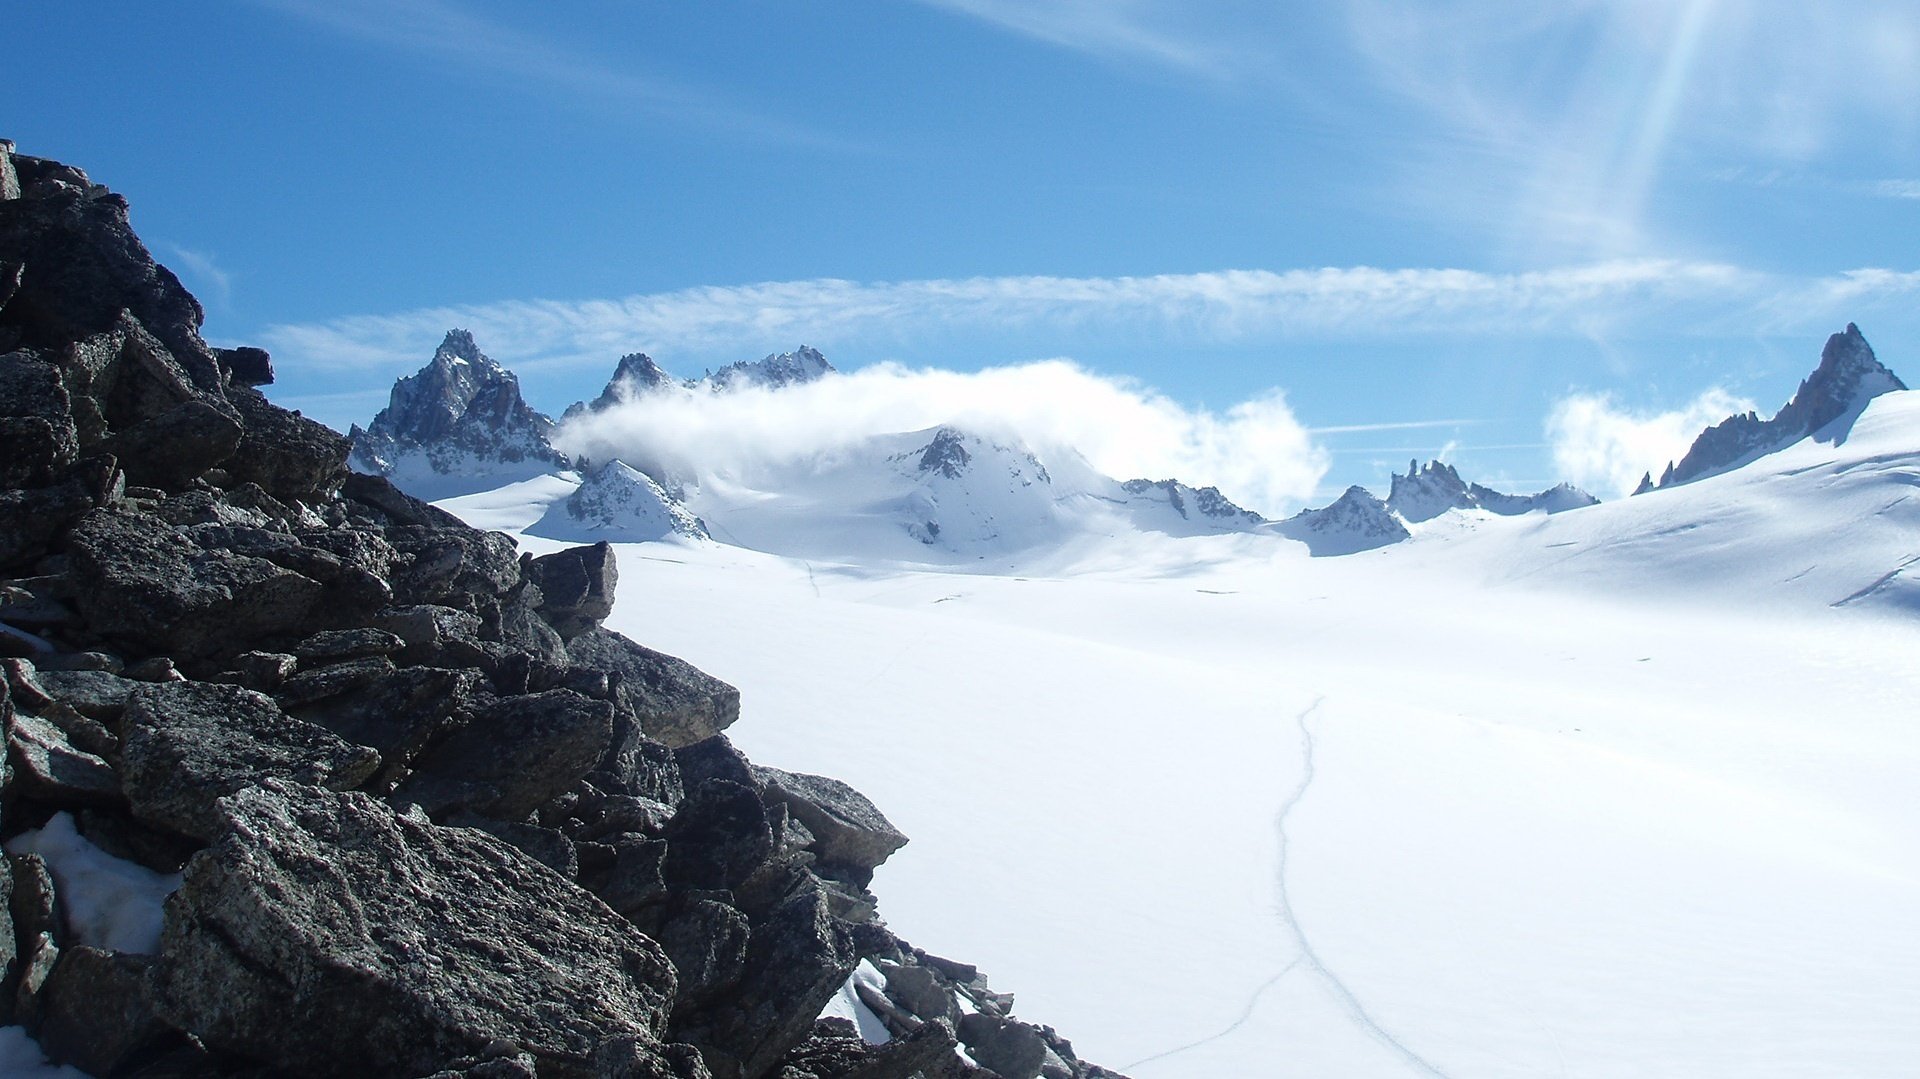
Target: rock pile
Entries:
(431, 818)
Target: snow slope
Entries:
(1623, 791)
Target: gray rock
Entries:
(548, 846)
(50, 767)
(98, 1013)
(397, 713)
(400, 945)
(333, 645)
(630, 1058)
(849, 831)
(707, 941)
(921, 991)
(80, 661)
(675, 702)
(142, 585)
(288, 455)
(718, 838)
(246, 365)
(332, 680)
(92, 693)
(797, 957)
(264, 671)
(1013, 1049)
(512, 756)
(576, 587)
(187, 744)
(154, 669)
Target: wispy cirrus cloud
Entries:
(206, 274)
(1158, 33)
(1052, 315)
(1229, 305)
(455, 32)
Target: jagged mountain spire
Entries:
(1848, 377)
(459, 418)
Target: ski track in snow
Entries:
(1245, 1014)
(1346, 997)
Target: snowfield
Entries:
(1624, 791)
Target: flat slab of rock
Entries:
(400, 946)
(186, 744)
(514, 755)
(848, 830)
(54, 768)
(677, 703)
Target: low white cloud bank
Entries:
(1256, 452)
(1606, 449)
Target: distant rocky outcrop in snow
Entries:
(1429, 490)
(1202, 505)
(804, 364)
(620, 504)
(1826, 403)
(457, 425)
(1356, 521)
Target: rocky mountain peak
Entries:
(1356, 521)
(804, 364)
(1848, 377)
(459, 418)
(459, 345)
(1428, 491)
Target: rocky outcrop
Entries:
(1429, 490)
(1356, 521)
(779, 371)
(429, 817)
(458, 424)
(1825, 405)
(1201, 505)
(634, 375)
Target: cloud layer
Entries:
(1599, 445)
(1257, 452)
(1222, 306)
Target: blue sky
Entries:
(1542, 239)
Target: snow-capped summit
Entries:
(457, 425)
(635, 374)
(804, 364)
(1356, 521)
(1826, 403)
(970, 490)
(620, 504)
(1429, 490)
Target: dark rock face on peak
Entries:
(946, 455)
(431, 818)
(1429, 490)
(458, 421)
(1825, 405)
(1203, 504)
(634, 375)
(804, 364)
(1356, 521)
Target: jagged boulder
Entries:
(576, 587)
(850, 833)
(400, 946)
(674, 701)
(187, 744)
(512, 756)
